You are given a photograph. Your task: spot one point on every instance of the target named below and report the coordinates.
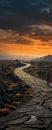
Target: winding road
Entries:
(31, 80)
(37, 113)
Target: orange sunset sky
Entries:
(29, 46)
(26, 27)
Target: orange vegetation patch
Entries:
(17, 103)
(10, 106)
(29, 92)
(19, 95)
(4, 111)
(13, 85)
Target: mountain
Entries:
(44, 58)
(48, 58)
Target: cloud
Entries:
(13, 37)
(19, 15)
(42, 32)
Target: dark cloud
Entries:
(11, 37)
(17, 15)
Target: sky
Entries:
(26, 27)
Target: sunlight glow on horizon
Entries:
(13, 44)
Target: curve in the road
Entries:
(31, 80)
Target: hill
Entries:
(47, 58)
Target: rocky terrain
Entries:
(39, 69)
(35, 114)
(13, 91)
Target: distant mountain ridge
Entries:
(44, 58)
(48, 57)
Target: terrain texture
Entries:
(35, 114)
